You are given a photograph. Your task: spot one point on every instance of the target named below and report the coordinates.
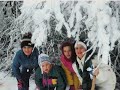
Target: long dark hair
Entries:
(71, 45)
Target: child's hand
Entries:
(20, 84)
(96, 72)
(54, 81)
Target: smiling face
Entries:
(67, 51)
(46, 67)
(27, 50)
(80, 51)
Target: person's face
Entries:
(80, 51)
(27, 50)
(67, 51)
(46, 67)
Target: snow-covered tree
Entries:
(9, 11)
(95, 18)
(51, 21)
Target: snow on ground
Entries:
(10, 83)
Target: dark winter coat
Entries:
(85, 75)
(23, 65)
(87, 82)
(105, 80)
(45, 81)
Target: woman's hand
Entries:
(95, 72)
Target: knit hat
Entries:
(43, 57)
(81, 43)
(26, 40)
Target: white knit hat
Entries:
(43, 57)
(81, 43)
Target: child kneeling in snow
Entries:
(48, 76)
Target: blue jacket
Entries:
(22, 63)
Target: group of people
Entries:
(76, 71)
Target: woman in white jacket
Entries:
(85, 70)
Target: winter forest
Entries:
(52, 21)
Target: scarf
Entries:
(67, 63)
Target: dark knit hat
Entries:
(26, 40)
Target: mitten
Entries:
(20, 84)
(72, 87)
(37, 88)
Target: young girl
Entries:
(66, 60)
(48, 76)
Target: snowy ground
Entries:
(9, 83)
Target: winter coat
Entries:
(23, 65)
(105, 80)
(54, 79)
(71, 76)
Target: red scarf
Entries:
(67, 63)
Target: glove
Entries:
(20, 84)
(72, 87)
(37, 88)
